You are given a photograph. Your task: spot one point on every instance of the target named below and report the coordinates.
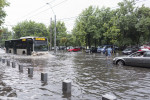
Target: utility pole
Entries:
(55, 37)
(50, 34)
(54, 29)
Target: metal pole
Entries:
(55, 37)
(50, 34)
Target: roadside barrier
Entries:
(44, 77)
(13, 65)
(66, 87)
(30, 72)
(8, 62)
(20, 68)
(3, 60)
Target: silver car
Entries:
(140, 58)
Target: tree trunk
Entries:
(89, 42)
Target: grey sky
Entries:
(65, 10)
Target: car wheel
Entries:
(120, 62)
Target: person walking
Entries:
(109, 51)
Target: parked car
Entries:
(99, 49)
(91, 50)
(62, 47)
(88, 50)
(105, 47)
(139, 58)
(74, 50)
(144, 49)
(128, 51)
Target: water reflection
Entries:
(66, 95)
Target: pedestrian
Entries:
(109, 51)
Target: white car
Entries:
(140, 58)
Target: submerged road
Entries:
(91, 75)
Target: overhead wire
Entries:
(50, 7)
(34, 11)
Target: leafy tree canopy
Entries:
(3, 3)
(30, 28)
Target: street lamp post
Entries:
(55, 37)
(50, 35)
(54, 29)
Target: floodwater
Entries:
(91, 76)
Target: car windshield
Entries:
(104, 47)
(137, 54)
(100, 47)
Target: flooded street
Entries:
(91, 77)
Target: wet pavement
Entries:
(91, 76)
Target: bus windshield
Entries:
(40, 45)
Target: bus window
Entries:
(40, 45)
(25, 45)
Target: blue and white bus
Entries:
(27, 46)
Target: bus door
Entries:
(29, 46)
(7, 46)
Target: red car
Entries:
(74, 49)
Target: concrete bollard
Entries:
(20, 68)
(30, 72)
(44, 77)
(8, 63)
(3, 60)
(66, 87)
(109, 97)
(13, 65)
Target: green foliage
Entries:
(30, 28)
(61, 33)
(112, 31)
(3, 3)
(127, 25)
(143, 24)
(5, 35)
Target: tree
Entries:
(30, 28)
(112, 31)
(61, 33)
(126, 22)
(5, 35)
(104, 18)
(89, 27)
(85, 27)
(143, 24)
(3, 3)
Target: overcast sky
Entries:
(65, 10)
